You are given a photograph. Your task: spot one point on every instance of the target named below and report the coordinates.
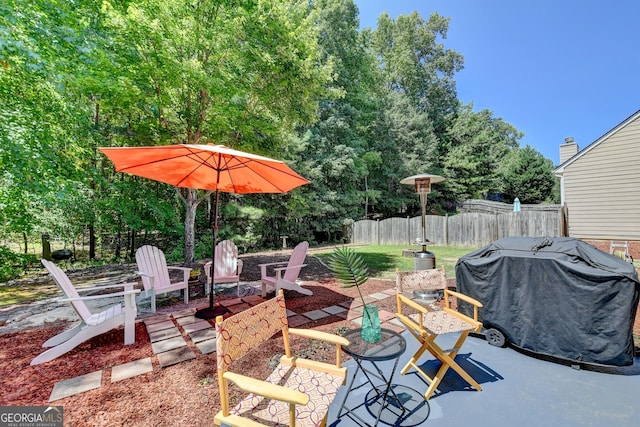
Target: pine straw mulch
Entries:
(183, 394)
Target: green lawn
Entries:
(384, 260)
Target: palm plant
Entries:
(349, 268)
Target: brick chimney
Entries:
(568, 149)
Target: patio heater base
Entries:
(211, 312)
(424, 260)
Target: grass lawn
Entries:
(383, 260)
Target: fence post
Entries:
(378, 232)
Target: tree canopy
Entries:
(354, 111)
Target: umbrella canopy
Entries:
(206, 167)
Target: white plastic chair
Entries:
(91, 324)
(153, 269)
(227, 267)
(286, 274)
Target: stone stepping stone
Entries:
(380, 295)
(253, 299)
(238, 308)
(160, 326)
(202, 335)
(131, 369)
(157, 319)
(187, 319)
(230, 302)
(174, 356)
(297, 320)
(207, 346)
(169, 344)
(197, 326)
(385, 315)
(316, 314)
(349, 304)
(290, 313)
(164, 334)
(183, 313)
(76, 385)
(334, 309)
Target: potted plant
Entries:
(194, 275)
(350, 268)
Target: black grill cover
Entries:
(558, 297)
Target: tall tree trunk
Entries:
(191, 203)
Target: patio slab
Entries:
(154, 327)
(197, 326)
(316, 314)
(168, 344)
(202, 335)
(297, 320)
(131, 369)
(207, 346)
(76, 385)
(187, 319)
(164, 334)
(334, 309)
(174, 356)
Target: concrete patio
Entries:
(518, 390)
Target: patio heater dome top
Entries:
(411, 180)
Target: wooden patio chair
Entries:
(91, 324)
(227, 266)
(297, 393)
(425, 281)
(426, 326)
(286, 274)
(154, 271)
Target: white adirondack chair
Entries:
(153, 269)
(286, 274)
(227, 266)
(91, 324)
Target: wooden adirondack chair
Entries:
(286, 274)
(227, 267)
(91, 324)
(153, 269)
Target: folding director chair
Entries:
(426, 325)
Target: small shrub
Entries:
(12, 264)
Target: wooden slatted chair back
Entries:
(296, 260)
(151, 261)
(62, 280)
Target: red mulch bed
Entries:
(182, 394)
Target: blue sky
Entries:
(550, 68)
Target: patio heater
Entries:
(424, 260)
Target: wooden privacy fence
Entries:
(466, 229)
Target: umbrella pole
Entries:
(211, 311)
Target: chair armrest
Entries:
(288, 267)
(476, 304)
(98, 288)
(103, 296)
(320, 335)
(268, 390)
(240, 265)
(401, 299)
(263, 267)
(185, 270)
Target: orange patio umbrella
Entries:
(206, 167)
